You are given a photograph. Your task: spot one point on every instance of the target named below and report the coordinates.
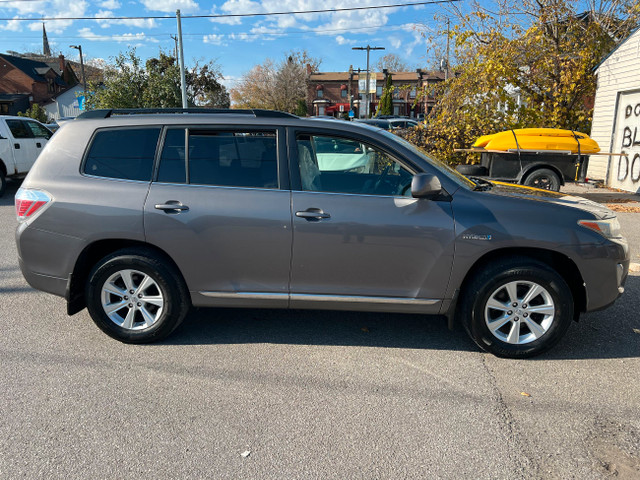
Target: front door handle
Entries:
(172, 206)
(312, 214)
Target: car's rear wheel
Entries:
(517, 308)
(135, 296)
(543, 178)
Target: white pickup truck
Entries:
(21, 141)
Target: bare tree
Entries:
(393, 63)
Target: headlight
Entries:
(608, 228)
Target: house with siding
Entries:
(616, 117)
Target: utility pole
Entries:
(446, 72)
(175, 51)
(183, 80)
(84, 79)
(368, 48)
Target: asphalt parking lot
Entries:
(272, 394)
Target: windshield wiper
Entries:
(481, 183)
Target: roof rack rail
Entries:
(106, 113)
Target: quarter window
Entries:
(123, 153)
(341, 165)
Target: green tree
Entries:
(36, 112)
(302, 110)
(128, 85)
(385, 106)
(530, 64)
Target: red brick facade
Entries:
(332, 93)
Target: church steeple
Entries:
(46, 51)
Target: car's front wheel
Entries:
(516, 308)
(135, 296)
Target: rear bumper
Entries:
(46, 283)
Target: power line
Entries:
(230, 15)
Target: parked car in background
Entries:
(390, 123)
(140, 216)
(21, 141)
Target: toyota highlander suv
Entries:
(139, 215)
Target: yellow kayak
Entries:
(538, 139)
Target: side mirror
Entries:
(425, 185)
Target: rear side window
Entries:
(123, 153)
(39, 131)
(220, 158)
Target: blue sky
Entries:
(237, 44)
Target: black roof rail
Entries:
(258, 113)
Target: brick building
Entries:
(333, 93)
(24, 81)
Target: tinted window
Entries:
(172, 161)
(340, 165)
(19, 129)
(234, 159)
(123, 153)
(39, 131)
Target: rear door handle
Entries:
(172, 206)
(39, 145)
(16, 146)
(312, 214)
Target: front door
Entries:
(23, 144)
(217, 209)
(359, 236)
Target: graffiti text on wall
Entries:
(629, 166)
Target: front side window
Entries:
(124, 153)
(219, 158)
(19, 129)
(341, 165)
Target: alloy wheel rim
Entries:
(132, 299)
(519, 312)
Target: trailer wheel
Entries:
(543, 178)
(475, 170)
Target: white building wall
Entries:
(618, 79)
(65, 104)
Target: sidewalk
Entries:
(616, 200)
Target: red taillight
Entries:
(29, 202)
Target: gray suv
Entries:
(140, 216)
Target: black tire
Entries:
(474, 170)
(543, 178)
(3, 183)
(491, 284)
(153, 279)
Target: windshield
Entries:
(444, 168)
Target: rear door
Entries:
(41, 136)
(220, 207)
(359, 236)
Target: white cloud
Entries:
(110, 4)
(214, 39)
(12, 26)
(60, 8)
(88, 34)
(185, 6)
(340, 40)
(130, 22)
(395, 42)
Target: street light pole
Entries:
(368, 48)
(84, 79)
